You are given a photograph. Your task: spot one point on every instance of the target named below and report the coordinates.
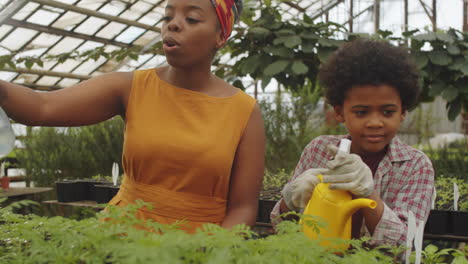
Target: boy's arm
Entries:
(388, 225)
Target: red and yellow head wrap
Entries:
(228, 14)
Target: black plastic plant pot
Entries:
(264, 210)
(69, 191)
(90, 189)
(460, 223)
(104, 193)
(439, 223)
(64, 191)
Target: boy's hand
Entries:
(348, 172)
(297, 193)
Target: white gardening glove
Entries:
(348, 172)
(297, 193)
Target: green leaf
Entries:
(420, 59)
(450, 93)
(309, 35)
(238, 83)
(384, 33)
(133, 56)
(11, 64)
(298, 67)
(279, 40)
(464, 68)
(444, 37)
(436, 88)
(259, 31)
(250, 64)
(453, 50)
(29, 64)
(285, 32)
(324, 53)
(454, 109)
(276, 67)
(409, 33)
(439, 57)
(416, 44)
(326, 42)
(308, 47)
(279, 51)
(265, 81)
(293, 41)
(431, 249)
(430, 36)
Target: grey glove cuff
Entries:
(287, 197)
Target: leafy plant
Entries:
(450, 161)
(51, 155)
(273, 183)
(34, 239)
(444, 66)
(292, 120)
(289, 51)
(432, 255)
(444, 188)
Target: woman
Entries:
(194, 145)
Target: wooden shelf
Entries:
(14, 191)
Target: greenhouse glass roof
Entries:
(48, 28)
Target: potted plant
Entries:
(460, 214)
(270, 194)
(444, 220)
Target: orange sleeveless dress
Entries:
(179, 147)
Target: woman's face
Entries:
(190, 33)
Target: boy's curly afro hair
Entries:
(369, 62)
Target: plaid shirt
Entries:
(404, 180)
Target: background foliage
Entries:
(83, 152)
(450, 161)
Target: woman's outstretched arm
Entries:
(86, 103)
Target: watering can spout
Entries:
(352, 206)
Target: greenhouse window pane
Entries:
(151, 18)
(7, 76)
(147, 38)
(89, 66)
(111, 30)
(66, 82)
(43, 17)
(89, 45)
(45, 40)
(26, 78)
(114, 8)
(91, 25)
(4, 29)
(69, 20)
(18, 38)
(65, 45)
(130, 34)
(48, 80)
(26, 11)
(67, 66)
(90, 4)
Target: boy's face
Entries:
(372, 114)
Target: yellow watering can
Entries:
(336, 207)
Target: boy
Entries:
(371, 85)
